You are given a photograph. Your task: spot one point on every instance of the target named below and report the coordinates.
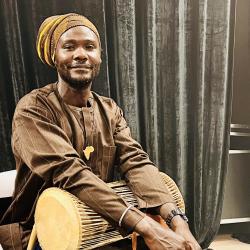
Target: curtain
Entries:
(167, 63)
(174, 83)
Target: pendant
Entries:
(87, 151)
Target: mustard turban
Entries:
(51, 30)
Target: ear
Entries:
(54, 58)
(55, 63)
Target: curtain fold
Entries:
(126, 78)
(182, 93)
(166, 62)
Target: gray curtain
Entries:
(174, 83)
(166, 62)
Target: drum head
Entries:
(57, 221)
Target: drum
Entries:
(63, 222)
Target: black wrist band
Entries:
(174, 213)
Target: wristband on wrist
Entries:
(174, 213)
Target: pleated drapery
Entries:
(174, 84)
(166, 62)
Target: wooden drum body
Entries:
(63, 222)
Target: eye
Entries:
(90, 46)
(68, 46)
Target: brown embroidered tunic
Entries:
(48, 141)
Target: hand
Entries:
(158, 237)
(181, 228)
(178, 225)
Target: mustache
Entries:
(81, 65)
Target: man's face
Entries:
(78, 57)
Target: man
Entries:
(67, 136)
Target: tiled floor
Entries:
(226, 242)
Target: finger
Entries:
(188, 246)
(192, 246)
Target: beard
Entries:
(80, 82)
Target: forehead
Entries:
(79, 33)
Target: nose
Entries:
(80, 54)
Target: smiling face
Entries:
(78, 57)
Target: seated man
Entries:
(67, 136)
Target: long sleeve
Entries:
(45, 148)
(141, 174)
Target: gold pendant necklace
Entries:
(87, 151)
(89, 148)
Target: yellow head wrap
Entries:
(51, 30)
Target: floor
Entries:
(226, 242)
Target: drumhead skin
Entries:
(57, 221)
